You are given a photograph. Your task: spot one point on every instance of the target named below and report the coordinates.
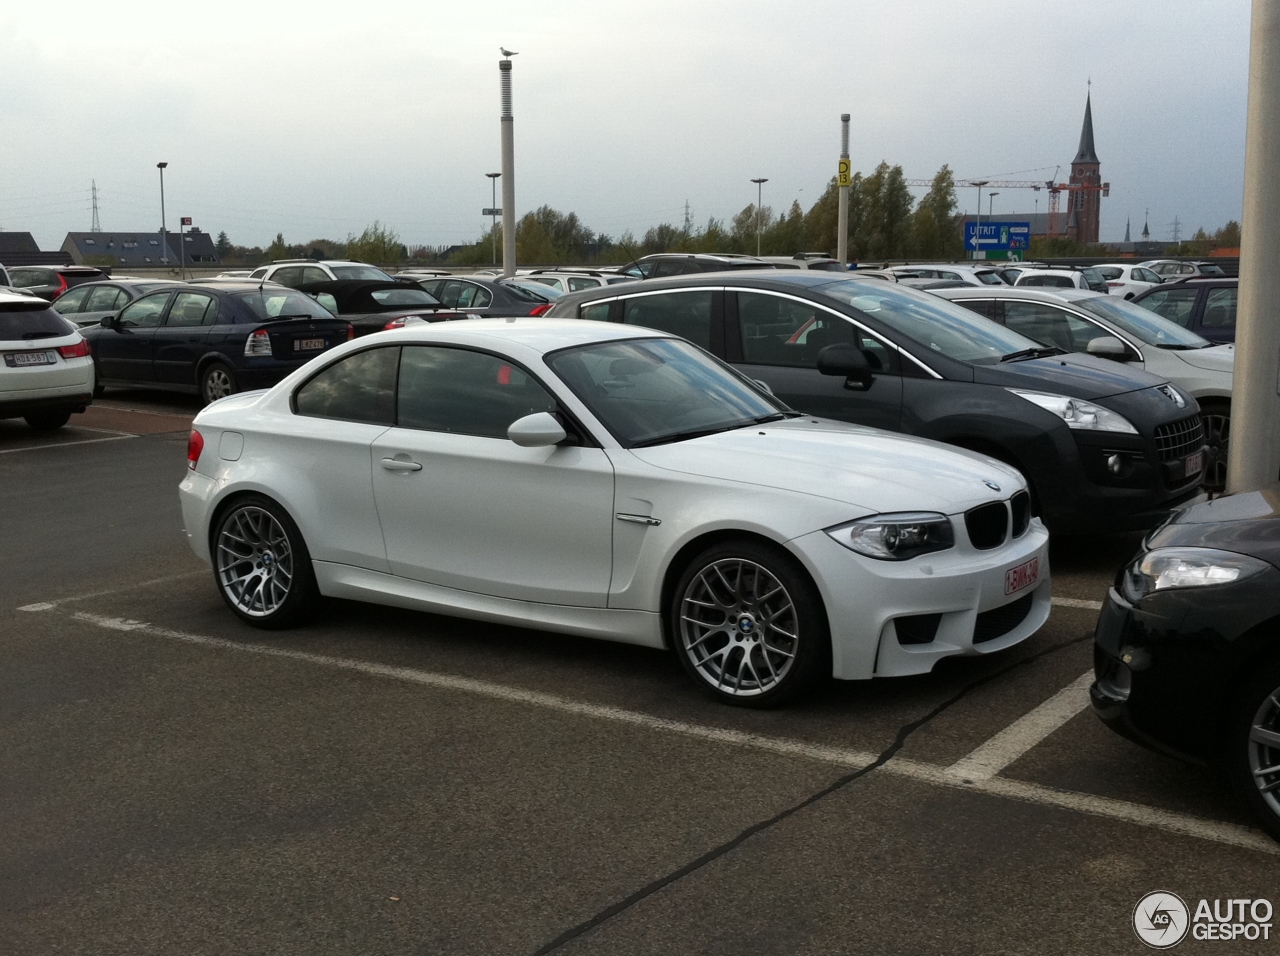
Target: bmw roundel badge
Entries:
(991, 484)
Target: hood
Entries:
(1076, 375)
(1247, 523)
(1219, 358)
(874, 470)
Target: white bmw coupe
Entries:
(613, 482)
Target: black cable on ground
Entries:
(900, 739)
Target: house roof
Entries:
(139, 249)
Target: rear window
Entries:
(405, 296)
(283, 304)
(359, 272)
(526, 295)
(1211, 270)
(1109, 272)
(1055, 282)
(29, 278)
(20, 321)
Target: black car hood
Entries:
(1076, 375)
(1248, 523)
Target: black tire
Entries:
(49, 421)
(217, 380)
(261, 565)
(1257, 714)
(1216, 415)
(771, 646)
(98, 390)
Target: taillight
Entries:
(195, 445)
(1115, 285)
(62, 287)
(258, 343)
(351, 331)
(540, 309)
(79, 350)
(395, 323)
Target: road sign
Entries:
(487, 211)
(186, 220)
(997, 236)
(843, 173)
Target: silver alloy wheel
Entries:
(1264, 751)
(217, 384)
(255, 562)
(1217, 435)
(739, 627)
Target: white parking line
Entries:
(1077, 602)
(1025, 732)
(50, 605)
(1180, 823)
(64, 444)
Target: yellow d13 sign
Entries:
(843, 177)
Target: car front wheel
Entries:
(217, 381)
(262, 566)
(1217, 438)
(1253, 747)
(748, 624)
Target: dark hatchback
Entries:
(483, 297)
(1205, 306)
(49, 282)
(369, 306)
(1104, 447)
(1187, 647)
(212, 340)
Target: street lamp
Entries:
(977, 230)
(163, 228)
(759, 192)
(493, 214)
(991, 201)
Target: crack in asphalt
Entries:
(899, 741)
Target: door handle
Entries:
(400, 464)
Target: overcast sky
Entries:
(317, 118)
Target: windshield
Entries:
(934, 323)
(271, 304)
(652, 391)
(359, 272)
(1143, 325)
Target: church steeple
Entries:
(1126, 230)
(1086, 153)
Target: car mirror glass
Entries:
(536, 431)
(1109, 347)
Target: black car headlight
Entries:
(896, 537)
(1167, 568)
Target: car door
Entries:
(71, 303)
(778, 338)
(123, 352)
(180, 340)
(464, 507)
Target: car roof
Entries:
(539, 334)
(1026, 293)
(129, 281)
(8, 296)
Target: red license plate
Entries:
(1193, 464)
(1023, 576)
(308, 345)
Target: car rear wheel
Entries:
(48, 421)
(217, 381)
(1217, 437)
(1253, 747)
(748, 624)
(262, 566)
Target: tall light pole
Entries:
(163, 227)
(843, 179)
(1253, 455)
(759, 192)
(493, 214)
(977, 226)
(991, 201)
(508, 167)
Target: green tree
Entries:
(885, 228)
(222, 246)
(937, 225)
(377, 244)
(277, 249)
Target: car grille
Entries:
(987, 525)
(1179, 439)
(1001, 620)
(917, 628)
(1021, 505)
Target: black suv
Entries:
(1104, 447)
(1205, 306)
(664, 264)
(49, 282)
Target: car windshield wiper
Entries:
(692, 433)
(1032, 353)
(777, 417)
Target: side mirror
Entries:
(1108, 347)
(110, 321)
(847, 360)
(762, 385)
(536, 431)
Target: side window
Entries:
(984, 307)
(466, 295)
(596, 312)
(328, 301)
(546, 280)
(121, 300)
(668, 267)
(189, 309)
(258, 273)
(70, 302)
(359, 388)
(465, 393)
(449, 293)
(578, 283)
(145, 313)
(1174, 304)
(1219, 309)
(313, 274)
(289, 275)
(778, 331)
(1050, 326)
(482, 299)
(687, 314)
(433, 287)
(104, 298)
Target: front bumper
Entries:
(893, 619)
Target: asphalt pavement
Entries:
(382, 781)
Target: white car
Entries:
(613, 482)
(1127, 280)
(46, 372)
(1077, 320)
(1086, 278)
(1169, 269)
(572, 281)
(806, 260)
(927, 273)
(297, 272)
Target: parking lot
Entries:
(386, 781)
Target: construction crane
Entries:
(1054, 189)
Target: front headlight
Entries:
(896, 537)
(1078, 413)
(1166, 568)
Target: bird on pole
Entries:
(505, 52)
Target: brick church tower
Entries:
(1085, 203)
